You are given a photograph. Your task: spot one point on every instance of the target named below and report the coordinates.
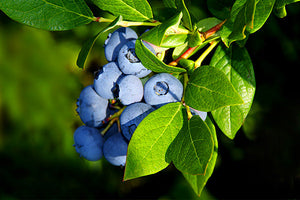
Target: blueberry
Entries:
(132, 116)
(201, 114)
(105, 80)
(115, 149)
(92, 108)
(129, 62)
(130, 89)
(116, 40)
(161, 89)
(88, 143)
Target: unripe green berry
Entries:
(189, 65)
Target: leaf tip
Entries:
(79, 64)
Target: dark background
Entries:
(39, 85)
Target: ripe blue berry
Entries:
(132, 116)
(115, 149)
(161, 89)
(130, 89)
(92, 108)
(88, 143)
(129, 62)
(116, 40)
(105, 80)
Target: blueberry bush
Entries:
(155, 103)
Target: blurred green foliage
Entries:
(39, 85)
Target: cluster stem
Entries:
(112, 119)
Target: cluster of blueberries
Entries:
(120, 80)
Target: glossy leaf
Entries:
(170, 3)
(198, 182)
(186, 18)
(179, 5)
(149, 144)
(195, 39)
(236, 63)
(220, 9)
(137, 10)
(53, 15)
(241, 16)
(179, 50)
(262, 12)
(192, 149)
(175, 40)
(87, 46)
(279, 8)
(150, 61)
(246, 16)
(207, 23)
(209, 89)
(158, 34)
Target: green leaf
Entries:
(137, 10)
(186, 18)
(236, 63)
(279, 8)
(241, 16)
(209, 89)
(53, 15)
(170, 3)
(150, 61)
(87, 46)
(207, 23)
(193, 147)
(204, 25)
(171, 41)
(179, 50)
(198, 182)
(262, 13)
(148, 146)
(158, 34)
(247, 16)
(220, 9)
(195, 39)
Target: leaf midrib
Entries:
(135, 10)
(193, 145)
(166, 68)
(212, 150)
(67, 10)
(162, 133)
(213, 91)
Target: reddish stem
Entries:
(213, 30)
(185, 55)
(204, 36)
(97, 19)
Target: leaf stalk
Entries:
(185, 82)
(198, 62)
